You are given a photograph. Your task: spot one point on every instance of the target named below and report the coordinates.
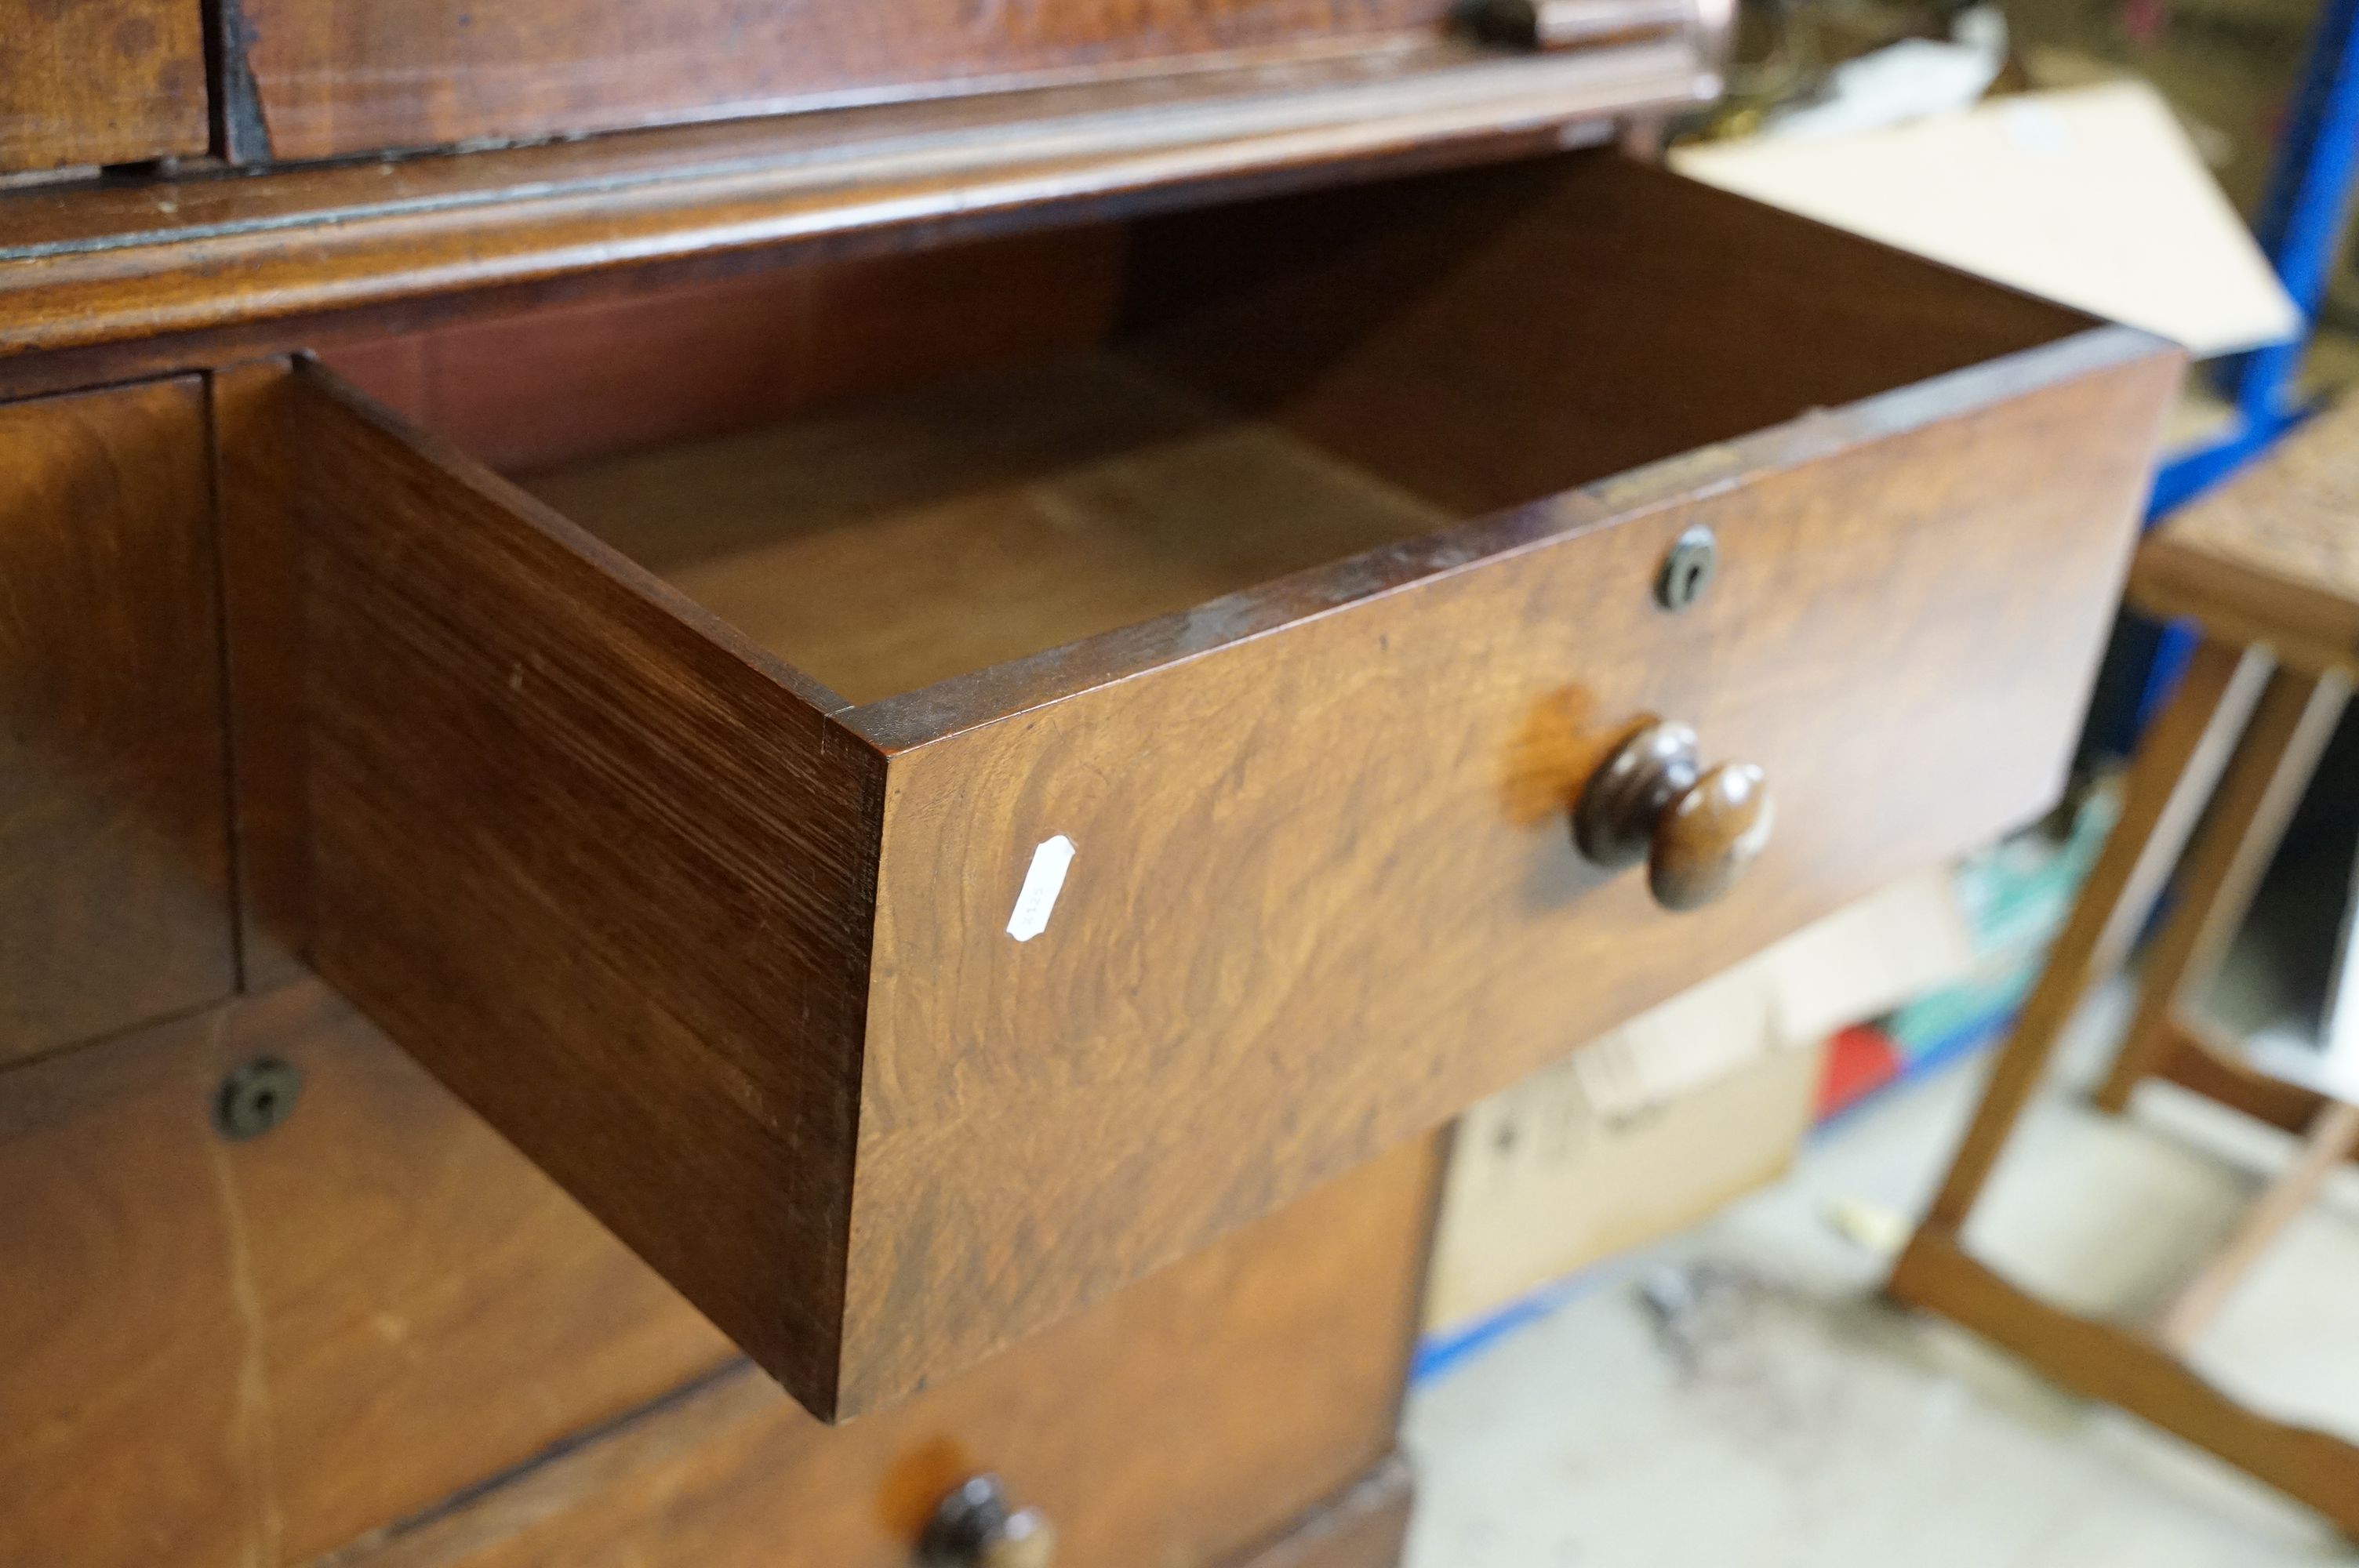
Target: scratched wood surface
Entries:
(359, 75)
(99, 82)
(113, 840)
(223, 1353)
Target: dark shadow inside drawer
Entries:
(946, 779)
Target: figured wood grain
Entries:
(113, 836)
(1324, 893)
(224, 1353)
(2102, 1362)
(362, 75)
(1180, 1424)
(601, 865)
(96, 81)
(238, 260)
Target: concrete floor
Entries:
(1740, 1397)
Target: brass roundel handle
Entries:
(975, 1526)
(1696, 829)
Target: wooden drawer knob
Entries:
(975, 1528)
(1697, 830)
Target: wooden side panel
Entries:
(360, 75)
(1491, 337)
(113, 841)
(89, 82)
(1323, 894)
(607, 877)
(1176, 1427)
(538, 388)
(223, 1353)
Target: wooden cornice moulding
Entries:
(87, 266)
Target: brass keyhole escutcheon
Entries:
(1696, 828)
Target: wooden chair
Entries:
(2269, 568)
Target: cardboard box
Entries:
(2093, 197)
(1648, 1130)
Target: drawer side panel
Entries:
(607, 879)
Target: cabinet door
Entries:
(114, 843)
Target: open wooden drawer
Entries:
(696, 812)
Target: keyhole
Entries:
(1686, 570)
(255, 1098)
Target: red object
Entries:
(1860, 1061)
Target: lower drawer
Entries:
(222, 1350)
(1097, 758)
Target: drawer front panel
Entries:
(1322, 892)
(226, 1351)
(222, 1352)
(344, 78)
(1180, 1424)
(114, 842)
(101, 81)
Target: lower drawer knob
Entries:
(1696, 829)
(975, 1528)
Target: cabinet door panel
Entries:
(114, 843)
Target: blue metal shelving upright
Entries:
(2300, 227)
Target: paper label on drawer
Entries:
(1042, 883)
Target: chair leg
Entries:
(2102, 1361)
(2333, 1138)
(2263, 788)
(2167, 783)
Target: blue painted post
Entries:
(2307, 209)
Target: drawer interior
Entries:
(913, 536)
(898, 470)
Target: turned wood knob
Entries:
(1696, 829)
(974, 1527)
